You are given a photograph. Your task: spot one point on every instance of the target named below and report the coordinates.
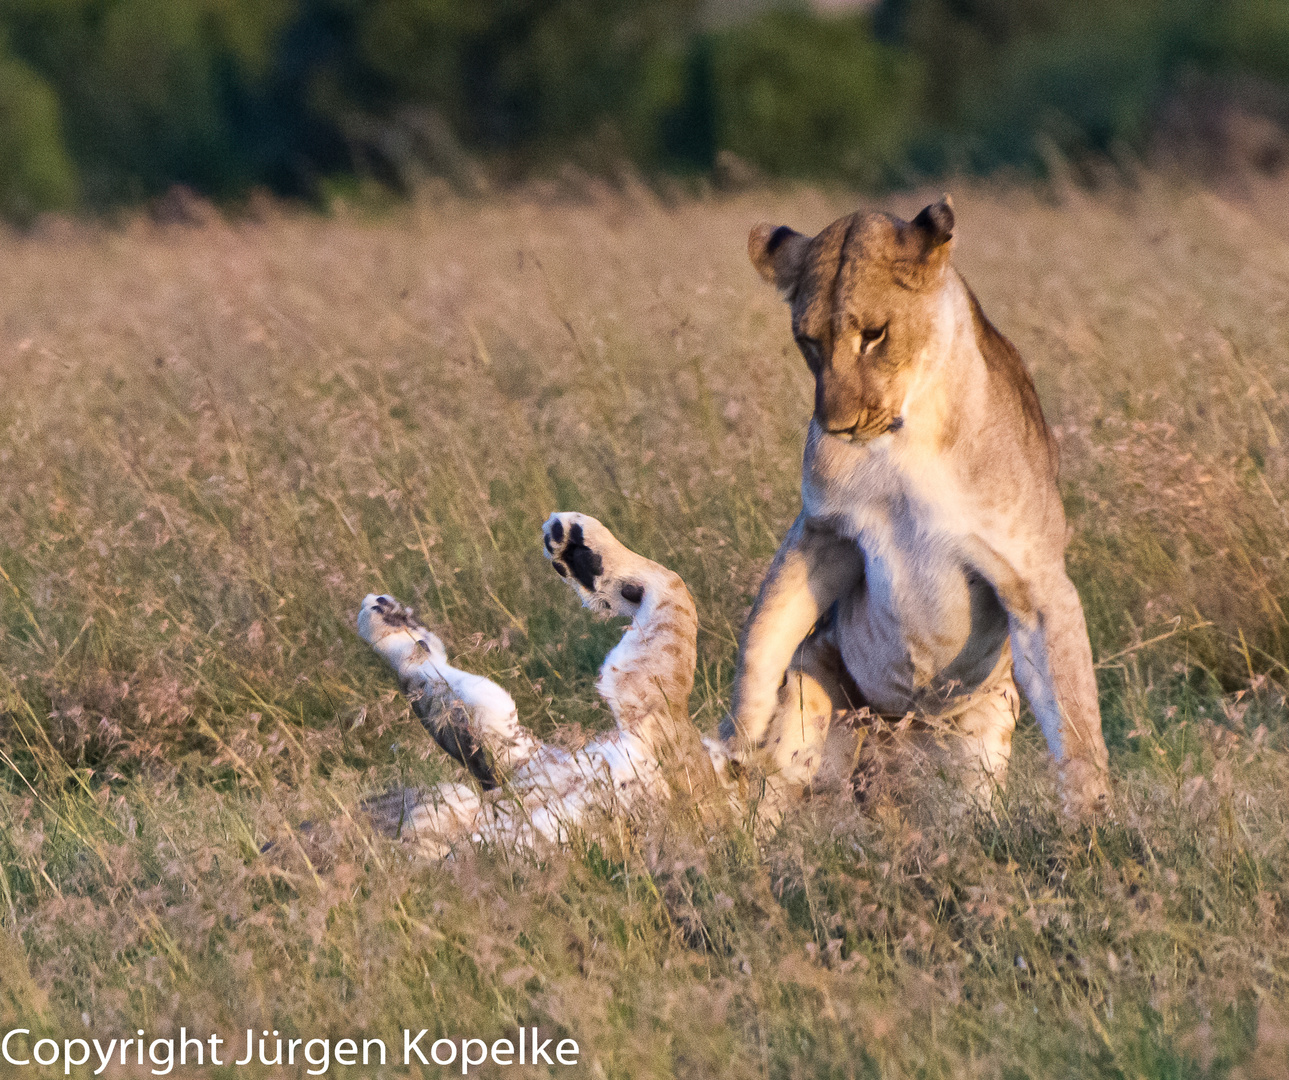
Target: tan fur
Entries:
(932, 532)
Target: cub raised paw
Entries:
(471, 717)
(608, 578)
(392, 630)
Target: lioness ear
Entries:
(934, 225)
(777, 254)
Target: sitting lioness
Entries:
(926, 571)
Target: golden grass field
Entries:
(214, 441)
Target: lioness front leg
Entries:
(984, 735)
(1052, 662)
(812, 569)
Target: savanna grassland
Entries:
(215, 440)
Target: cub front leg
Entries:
(813, 568)
(647, 678)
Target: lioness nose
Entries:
(835, 406)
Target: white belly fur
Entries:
(921, 641)
(922, 631)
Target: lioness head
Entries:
(863, 295)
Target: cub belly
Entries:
(923, 640)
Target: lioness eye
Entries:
(872, 337)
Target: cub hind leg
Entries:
(433, 819)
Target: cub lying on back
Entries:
(926, 571)
(532, 789)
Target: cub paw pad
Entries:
(392, 613)
(571, 555)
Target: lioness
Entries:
(926, 570)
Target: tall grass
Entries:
(214, 441)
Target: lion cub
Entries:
(532, 789)
(926, 571)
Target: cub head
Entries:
(864, 299)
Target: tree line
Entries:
(104, 102)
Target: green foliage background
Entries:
(110, 101)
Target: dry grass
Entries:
(213, 442)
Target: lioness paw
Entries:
(1086, 793)
(587, 556)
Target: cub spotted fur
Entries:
(926, 571)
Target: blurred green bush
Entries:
(543, 76)
(35, 171)
(798, 96)
(110, 101)
(1013, 76)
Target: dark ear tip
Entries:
(778, 253)
(776, 238)
(937, 222)
(764, 245)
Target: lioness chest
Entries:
(921, 630)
